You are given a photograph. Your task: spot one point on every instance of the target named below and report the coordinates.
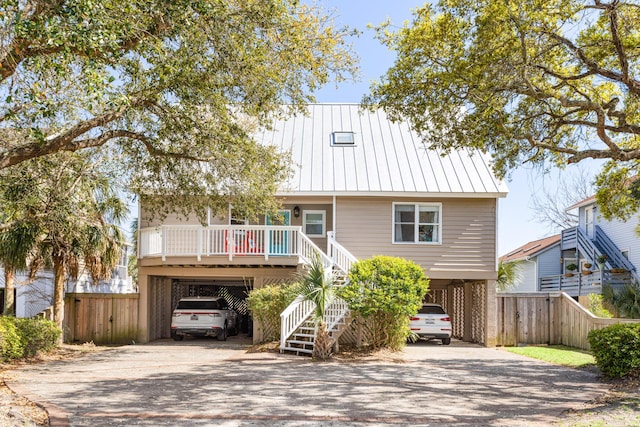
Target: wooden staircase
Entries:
(298, 330)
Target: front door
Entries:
(279, 239)
(588, 222)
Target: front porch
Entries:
(254, 244)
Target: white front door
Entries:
(588, 222)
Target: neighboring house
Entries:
(361, 186)
(594, 239)
(33, 297)
(536, 259)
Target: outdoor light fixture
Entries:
(296, 211)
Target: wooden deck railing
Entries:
(583, 284)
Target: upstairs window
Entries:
(417, 223)
(343, 139)
(314, 223)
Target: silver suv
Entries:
(203, 316)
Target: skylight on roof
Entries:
(343, 139)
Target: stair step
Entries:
(303, 335)
(302, 343)
(298, 350)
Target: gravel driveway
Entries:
(203, 382)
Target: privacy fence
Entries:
(553, 318)
(101, 318)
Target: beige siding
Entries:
(172, 219)
(364, 227)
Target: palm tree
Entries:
(68, 203)
(625, 301)
(317, 285)
(508, 275)
(16, 246)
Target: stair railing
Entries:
(293, 317)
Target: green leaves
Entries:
(175, 88)
(547, 83)
(385, 291)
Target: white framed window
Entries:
(314, 223)
(417, 223)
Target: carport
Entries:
(467, 302)
(162, 287)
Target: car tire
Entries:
(178, 337)
(222, 336)
(446, 341)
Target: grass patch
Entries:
(558, 354)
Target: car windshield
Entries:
(198, 305)
(431, 309)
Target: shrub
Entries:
(26, 337)
(11, 346)
(597, 308)
(617, 349)
(385, 291)
(38, 335)
(267, 303)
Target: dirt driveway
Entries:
(203, 382)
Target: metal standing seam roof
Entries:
(388, 158)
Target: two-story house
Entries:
(361, 186)
(582, 258)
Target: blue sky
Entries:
(515, 224)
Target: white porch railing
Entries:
(222, 240)
(293, 317)
(338, 260)
(342, 258)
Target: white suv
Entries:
(432, 322)
(203, 316)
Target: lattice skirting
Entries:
(478, 311)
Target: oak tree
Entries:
(173, 87)
(548, 82)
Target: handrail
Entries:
(342, 258)
(293, 317)
(615, 256)
(309, 250)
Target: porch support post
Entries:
(468, 312)
(143, 308)
(491, 314)
(164, 242)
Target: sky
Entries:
(515, 213)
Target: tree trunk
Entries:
(58, 294)
(9, 287)
(322, 342)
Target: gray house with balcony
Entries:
(602, 251)
(361, 185)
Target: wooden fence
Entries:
(101, 318)
(553, 318)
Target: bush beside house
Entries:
(617, 349)
(266, 304)
(385, 291)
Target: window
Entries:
(416, 223)
(313, 223)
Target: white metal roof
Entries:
(388, 158)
